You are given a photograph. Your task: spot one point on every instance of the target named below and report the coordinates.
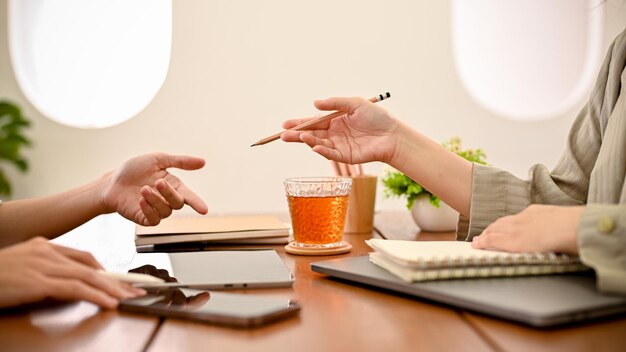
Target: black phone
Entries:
(242, 310)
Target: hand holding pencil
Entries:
(313, 123)
(363, 132)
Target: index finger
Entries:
(347, 105)
(190, 197)
(193, 200)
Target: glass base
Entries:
(319, 245)
(292, 248)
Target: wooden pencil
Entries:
(351, 170)
(336, 168)
(359, 169)
(343, 170)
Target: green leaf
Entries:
(5, 185)
(414, 188)
(435, 201)
(12, 139)
(398, 184)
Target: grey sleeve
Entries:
(497, 193)
(602, 244)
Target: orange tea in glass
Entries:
(317, 206)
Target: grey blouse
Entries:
(591, 171)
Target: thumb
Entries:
(184, 162)
(347, 105)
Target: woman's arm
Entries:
(141, 190)
(368, 132)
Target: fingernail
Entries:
(160, 184)
(128, 295)
(139, 291)
(146, 191)
(111, 303)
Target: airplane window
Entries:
(90, 64)
(527, 59)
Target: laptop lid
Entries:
(534, 300)
(215, 269)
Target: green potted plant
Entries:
(12, 139)
(428, 211)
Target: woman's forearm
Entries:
(437, 169)
(50, 216)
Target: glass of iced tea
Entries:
(318, 210)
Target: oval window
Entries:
(527, 59)
(90, 63)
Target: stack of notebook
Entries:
(415, 261)
(214, 230)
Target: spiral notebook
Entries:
(417, 261)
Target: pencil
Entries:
(312, 122)
(336, 168)
(351, 170)
(343, 170)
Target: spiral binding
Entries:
(505, 260)
(450, 267)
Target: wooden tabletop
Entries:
(335, 315)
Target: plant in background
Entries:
(398, 184)
(12, 139)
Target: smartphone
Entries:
(233, 309)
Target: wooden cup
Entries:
(360, 216)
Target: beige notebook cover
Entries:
(436, 254)
(211, 228)
(415, 261)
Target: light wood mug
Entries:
(360, 216)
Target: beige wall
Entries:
(239, 68)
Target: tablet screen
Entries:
(215, 269)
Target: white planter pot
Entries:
(430, 218)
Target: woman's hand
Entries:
(143, 191)
(37, 269)
(538, 228)
(365, 133)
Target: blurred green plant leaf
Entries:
(12, 140)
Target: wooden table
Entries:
(336, 316)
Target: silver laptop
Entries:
(534, 300)
(215, 269)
